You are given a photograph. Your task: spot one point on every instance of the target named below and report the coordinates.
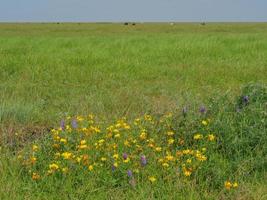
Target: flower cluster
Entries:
(145, 148)
(229, 185)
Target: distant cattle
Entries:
(126, 23)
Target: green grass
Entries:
(48, 71)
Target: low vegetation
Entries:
(150, 111)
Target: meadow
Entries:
(184, 105)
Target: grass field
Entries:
(51, 71)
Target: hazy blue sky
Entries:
(133, 10)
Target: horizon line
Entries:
(132, 21)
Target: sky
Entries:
(132, 10)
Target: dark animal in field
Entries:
(203, 23)
(133, 24)
(126, 23)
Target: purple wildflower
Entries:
(202, 110)
(130, 173)
(143, 160)
(62, 124)
(125, 156)
(74, 123)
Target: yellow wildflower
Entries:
(83, 142)
(204, 122)
(187, 173)
(170, 133)
(101, 141)
(143, 136)
(116, 164)
(152, 179)
(166, 165)
(35, 176)
(96, 129)
(169, 157)
(84, 146)
(126, 160)
(49, 172)
(84, 129)
(33, 160)
(136, 121)
(56, 138)
(151, 145)
(118, 125)
(116, 156)
(91, 116)
(198, 136)
(158, 149)
(189, 161)
(170, 141)
(90, 167)
(53, 167)
(200, 157)
(103, 159)
(211, 137)
(65, 170)
(114, 146)
(116, 131)
(188, 151)
(127, 127)
(78, 159)
(35, 148)
(148, 117)
(63, 140)
(126, 143)
(68, 128)
(80, 118)
(235, 185)
(227, 185)
(66, 155)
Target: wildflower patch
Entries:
(130, 152)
